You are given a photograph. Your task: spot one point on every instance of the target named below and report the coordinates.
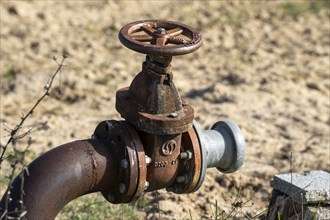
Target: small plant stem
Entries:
(291, 165)
(13, 133)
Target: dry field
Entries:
(264, 65)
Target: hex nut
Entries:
(148, 160)
(146, 185)
(181, 179)
(111, 197)
(170, 188)
(186, 155)
(122, 188)
(124, 164)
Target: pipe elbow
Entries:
(59, 176)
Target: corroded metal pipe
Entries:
(59, 176)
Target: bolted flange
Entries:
(222, 147)
(125, 144)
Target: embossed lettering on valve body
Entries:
(166, 153)
(166, 163)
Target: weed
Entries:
(236, 205)
(9, 74)
(317, 210)
(278, 215)
(95, 205)
(152, 207)
(190, 215)
(298, 8)
(103, 81)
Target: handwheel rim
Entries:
(178, 39)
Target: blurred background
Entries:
(264, 65)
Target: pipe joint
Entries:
(222, 147)
(124, 143)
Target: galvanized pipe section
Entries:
(222, 147)
(59, 176)
(215, 147)
(225, 146)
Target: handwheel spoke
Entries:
(176, 40)
(161, 41)
(142, 38)
(174, 32)
(148, 29)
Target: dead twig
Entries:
(13, 133)
(238, 204)
(18, 157)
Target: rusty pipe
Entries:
(59, 176)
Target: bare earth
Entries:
(261, 65)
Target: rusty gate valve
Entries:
(152, 103)
(159, 145)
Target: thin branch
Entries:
(13, 134)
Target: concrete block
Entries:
(312, 188)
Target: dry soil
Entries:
(264, 65)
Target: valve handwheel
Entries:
(160, 37)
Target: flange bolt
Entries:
(122, 188)
(124, 164)
(186, 155)
(148, 160)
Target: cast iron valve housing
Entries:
(159, 145)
